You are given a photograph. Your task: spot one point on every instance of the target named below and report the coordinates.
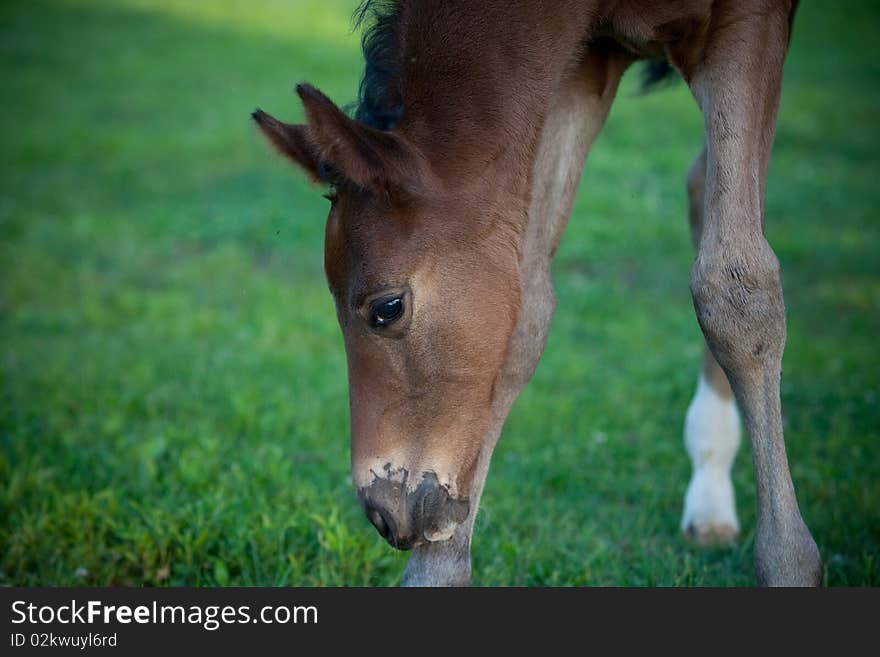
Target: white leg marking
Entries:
(711, 437)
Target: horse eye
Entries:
(385, 311)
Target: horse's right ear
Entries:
(292, 141)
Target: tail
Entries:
(656, 73)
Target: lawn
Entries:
(173, 396)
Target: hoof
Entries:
(787, 555)
(712, 535)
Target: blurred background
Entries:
(173, 394)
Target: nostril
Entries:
(379, 522)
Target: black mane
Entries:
(379, 103)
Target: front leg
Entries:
(447, 563)
(735, 280)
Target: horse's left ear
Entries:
(292, 141)
(368, 157)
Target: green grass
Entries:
(173, 401)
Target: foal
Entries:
(451, 189)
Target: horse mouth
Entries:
(411, 518)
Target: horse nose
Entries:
(380, 523)
(407, 518)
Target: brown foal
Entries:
(452, 186)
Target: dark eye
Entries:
(385, 311)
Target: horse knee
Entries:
(737, 296)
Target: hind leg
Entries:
(712, 426)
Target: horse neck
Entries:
(477, 79)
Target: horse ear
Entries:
(290, 140)
(368, 157)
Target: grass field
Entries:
(173, 401)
